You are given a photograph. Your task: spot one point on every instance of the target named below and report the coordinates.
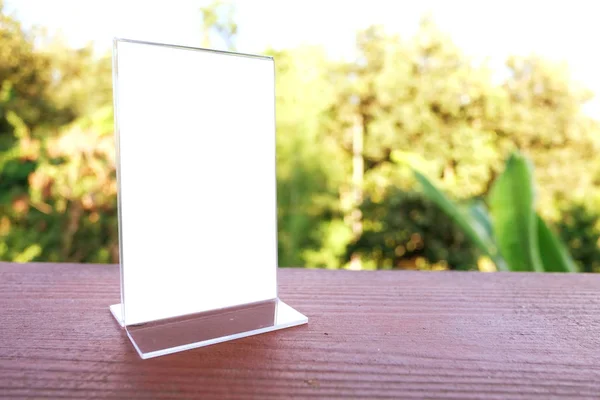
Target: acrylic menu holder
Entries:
(195, 139)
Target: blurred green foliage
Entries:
(343, 199)
(505, 227)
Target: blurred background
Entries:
(361, 87)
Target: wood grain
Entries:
(392, 334)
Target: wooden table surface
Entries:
(392, 334)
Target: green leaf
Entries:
(478, 210)
(553, 252)
(511, 201)
(28, 254)
(473, 226)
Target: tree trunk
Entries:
(358, 165)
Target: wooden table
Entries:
(392, 334)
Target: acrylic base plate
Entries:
(172, 335)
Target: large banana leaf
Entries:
(553, 252)
(515, 237)
(473, 223)
(515, 223)
(478, 210)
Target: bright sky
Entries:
(564, 30)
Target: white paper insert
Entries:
(196, 134)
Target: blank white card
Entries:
(196, 173)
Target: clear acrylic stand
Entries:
(195, 134)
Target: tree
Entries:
(424, 96)
(309, 165)
(57, 185)
(217, 20)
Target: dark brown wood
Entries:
(447, 335)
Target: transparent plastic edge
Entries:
(301, 320)
(182, 47)
(115, 76)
